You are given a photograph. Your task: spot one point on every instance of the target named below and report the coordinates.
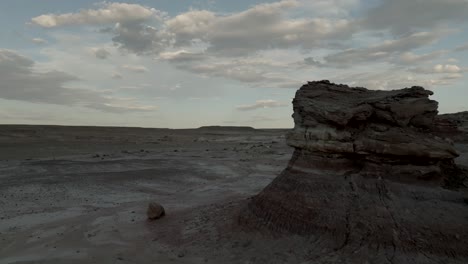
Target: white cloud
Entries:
(128, 20)
(311, 61)
(101, 53)
(204, 98)
(338, 8)
(22, 82)
(39, 41)
(140, 38)
(109, 13)
(462, 47)
(439, 68)
(404, 16)
(393, 78)
(452, 76)
(261, 104)
(129, 104)
(385, 50)
(411, 58)
(235, 46)
(447, 68)
(191, 25)
(117, 76)
(135, 68)
(181, 56)
(248, 70)
(177, 86)
(216, 53)
(262, 27)
(452, 60)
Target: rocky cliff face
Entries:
(376, 134)
(367, 172)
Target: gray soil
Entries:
(80, 194)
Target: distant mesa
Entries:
(226, 128)
(454, 126)
(369, 175)
(460, 118)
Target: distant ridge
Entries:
(235, 128)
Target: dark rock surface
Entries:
(383, 134)
(369, 173)
(155, 211)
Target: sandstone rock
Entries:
(155, 211)
(365, 128)
(367, 172)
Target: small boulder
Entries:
(155, 211)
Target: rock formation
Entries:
(368, 173)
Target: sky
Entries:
(191, 63)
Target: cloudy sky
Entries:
(188, 63)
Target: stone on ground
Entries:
(155, 211)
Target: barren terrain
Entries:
(79, 195)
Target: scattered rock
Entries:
(155, 211)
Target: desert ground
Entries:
(80, 194)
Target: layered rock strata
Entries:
(368, 172)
